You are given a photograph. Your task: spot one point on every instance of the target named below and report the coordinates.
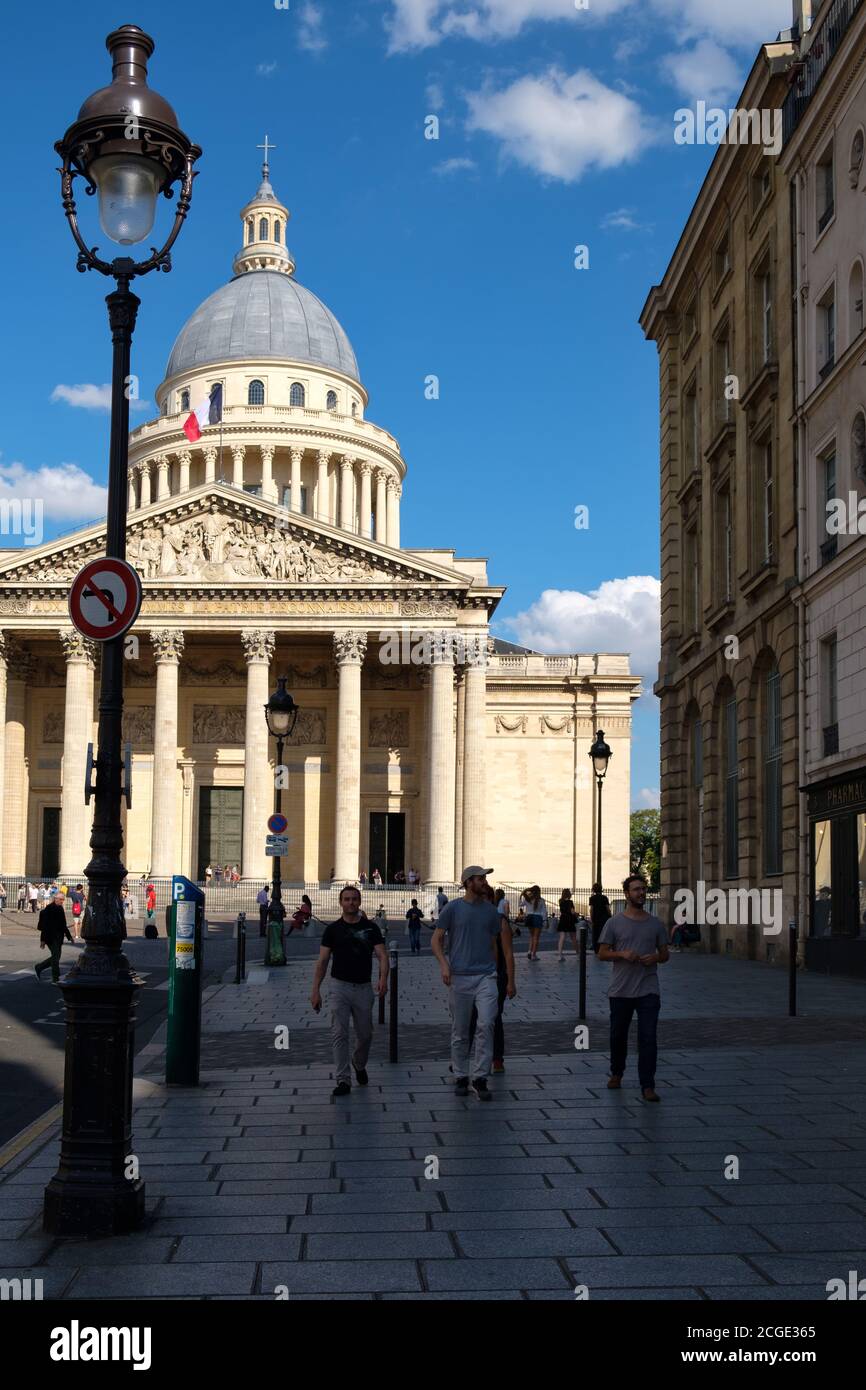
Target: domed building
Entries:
(268, 543)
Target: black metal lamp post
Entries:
(281, 714)
(128, 148)
(601, 755)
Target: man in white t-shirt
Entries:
(441, 901)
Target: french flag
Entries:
(210, 412)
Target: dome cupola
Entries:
(265, 221)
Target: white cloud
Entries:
(621, 615)
(435, 97)
(647, 799)
(90, 397)
(706, 71)
(560, 124)
(66, 492)
(454, 166)
(423, 23)
(740, 23)
(265, 69)
(623, 220)
(310, 33)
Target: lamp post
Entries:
(281, 714)
(601, 755)
(128, 148)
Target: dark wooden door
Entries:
(50, 841)
(220, 827)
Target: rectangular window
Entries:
(732, 791)
(691, 584)
(766, 317)
(824, 198)
(724, 559)
(827, 334)
(287, 498)
(691, 428)
(773, 774)
(830, 695)
(767, 504)
(722, 353)
(828, 544)
(822, 871)
(690, 321)
(722, 259)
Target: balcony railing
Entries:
(823, 48)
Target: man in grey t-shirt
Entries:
(469, 971)
(636, 943)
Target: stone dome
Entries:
(259, 315)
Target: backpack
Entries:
(76, 909)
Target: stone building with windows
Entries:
(271, 546)
(728, 670)
(822, 163)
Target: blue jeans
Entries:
(415, 938)
(646, 1006)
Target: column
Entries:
(381, 506)
(349, 651)
(393, 514)
(366, 508)
(210, 454)
(77, 733)
(183, 471)
(475, 751)
(3, 658)
(295, 496)
(16, 780)
(130, 495)
(144, 482)
(164, 841)
(323, 509)
(258, 782)
(162, 487)
(440, 761)
(458, 773)
(269, 490)
(347, 494)
(238, 451)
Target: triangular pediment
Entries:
(216, 535)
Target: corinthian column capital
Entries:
(167, 645)
(350, 648)
(76, 647)
(258, 645)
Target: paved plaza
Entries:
(260, 1186)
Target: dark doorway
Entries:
(50, 841)
(220, 827)
(387, 843)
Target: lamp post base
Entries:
(96, 1190)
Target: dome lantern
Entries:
(265, 220)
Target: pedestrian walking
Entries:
(415, 917)
(599, 913)
(33, 896)
(441, 901)
(469, 973)
(76, 898)
(208, 875)
(350, 944)
(567, 923)
(52, 933)
(218, 874)
(377, 878)
(262, 900)
(3, 896)
(150, 902)
(536, 917)
(636, 943)
(505, 976)
(381, 919)
(362, 878)
(21, 899)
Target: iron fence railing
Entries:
(808, 73)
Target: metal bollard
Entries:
(392, 1017)
(241, 964)
(792, 968)
(581, 1008)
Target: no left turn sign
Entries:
(105, 599)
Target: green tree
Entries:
(646, 845)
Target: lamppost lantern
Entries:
(600, 754)
(128, 147)
(281, 712)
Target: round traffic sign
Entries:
(104, 599)
(277, 824)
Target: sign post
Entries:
(105, 599)
(183, 1044)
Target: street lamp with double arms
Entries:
(281, 714)
(601, 755)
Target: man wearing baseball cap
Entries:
(469, 971)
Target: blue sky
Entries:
(452, 257)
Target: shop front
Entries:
(836, 943)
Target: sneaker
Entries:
(649, 1094)
(342, 1088)
(498, 1065)
(614, 1083)
(561, 959)
(479, 1089)
(360, 1075)
(461, 1087)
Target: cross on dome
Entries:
(266, 147)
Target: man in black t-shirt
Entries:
(351, 940)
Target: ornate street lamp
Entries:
(281, 714)
(128, 148)
(601, 755)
